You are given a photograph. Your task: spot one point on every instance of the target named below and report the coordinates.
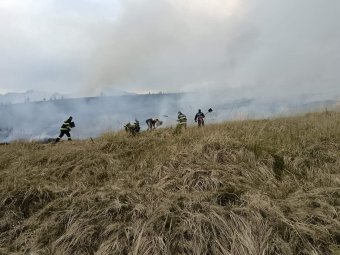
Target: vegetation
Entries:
(243, 187)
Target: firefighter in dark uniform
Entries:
(199, 118)
(65, 129)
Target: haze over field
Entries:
(269, 55)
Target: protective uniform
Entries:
(137, 126)
(182, 119)
(199, 117)
(153, 123)
(132, 128)
(65, 129)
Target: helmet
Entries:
(199, 110)
(70, 117)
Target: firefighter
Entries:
(136, 126)
(182, 120)
(132, 128)
(65, 129)
(199, 118)
(153, 123)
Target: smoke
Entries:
(278, 47)
(243, 58)
(169, 46)
(94, 116)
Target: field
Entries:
(243, 187)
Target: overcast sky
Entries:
(81, 46)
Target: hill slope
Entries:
(250, 187)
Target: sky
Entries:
(84, 46)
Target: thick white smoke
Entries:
(279, 47)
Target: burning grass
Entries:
(245, 187)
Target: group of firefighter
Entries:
(199, 119)
(134, 128)
(153, 123)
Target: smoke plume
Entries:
(253, 58)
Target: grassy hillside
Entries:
(247, 187)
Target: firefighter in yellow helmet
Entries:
(182, 120)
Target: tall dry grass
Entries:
(243, 187)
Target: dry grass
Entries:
(247, 187)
